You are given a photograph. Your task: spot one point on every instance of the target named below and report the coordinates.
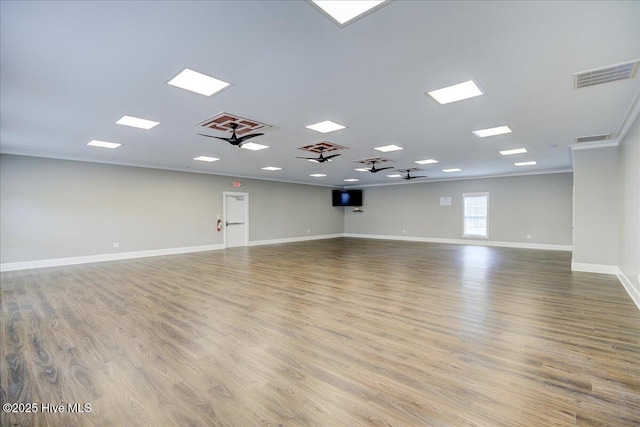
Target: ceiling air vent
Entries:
(611, 73)
(592, 138)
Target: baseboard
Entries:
(594, 268)
(57, 262)
(294, 239)
(544, 246)
(633, 291)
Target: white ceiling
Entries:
(69, 70)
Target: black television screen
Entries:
(347, 197)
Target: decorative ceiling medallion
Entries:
(409, 170)
(322, 146)
(370, 160)
(222, 121)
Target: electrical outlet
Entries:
(116, 245)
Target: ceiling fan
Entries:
(234, 140)
(408, 175)
(374, 170)
(320, 159)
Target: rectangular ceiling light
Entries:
(271, 168)
(197, 82)
(388, 148)
(514, 151)
(452, 170)
(135, 122)
(457, 92)
(351, 180)
(426, 162)
(103, 144)
(499, 130)
(206, 159)
(318, 175)
(395, 175)
(361, 169)
(253, 146)
(532, 163)
(346, 10)
(326, 126)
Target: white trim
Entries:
(56, 262)
(595, 144)
(593, 268)
(245, 205)
(295, 239)
(467, 241)
(463, 178)
(629, 119)
(633, 291)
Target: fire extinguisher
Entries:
(219, 226)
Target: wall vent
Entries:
(592, 138)
(222, 121)
(608, 74)
(372, 159)
(322, 146)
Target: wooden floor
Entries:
(342, 332)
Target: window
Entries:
(476, 210)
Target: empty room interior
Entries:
(320, 213)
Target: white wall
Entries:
(596, 209)
(535, 205)
(629, 239)
(53, 209)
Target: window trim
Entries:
(475, 236)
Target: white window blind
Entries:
(476, 209)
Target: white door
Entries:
(236, 219)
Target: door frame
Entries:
(246, 216)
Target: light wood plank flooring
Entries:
(341, 332)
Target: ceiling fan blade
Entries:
(217, 137)
(253, 135)
(307, 158)
(331, 156)
(381, 169)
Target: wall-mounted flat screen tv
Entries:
(347, 197)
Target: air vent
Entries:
(592, 138)
(372, 159)
(322, 146)
(612, 73)
(222, 121)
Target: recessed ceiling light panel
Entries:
(426, 162)
(458, 92)
(103, 144)
(388, 148)
(499, 130)
(514, 151)
(271, 168)
(351, 180)
(137, 123)
(206, 159)
(361, 169)
(531, 163)
(197, 82)
(326, 126)
(253, 146)
(318, 175)
(345, 11)
(452, 170)
(394, 175)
